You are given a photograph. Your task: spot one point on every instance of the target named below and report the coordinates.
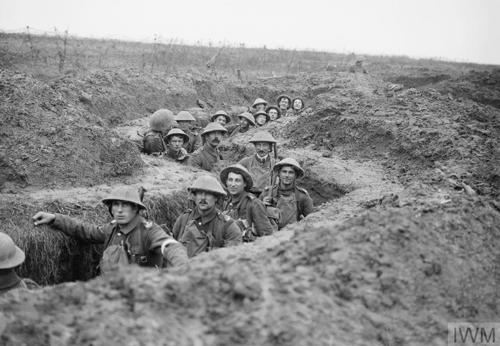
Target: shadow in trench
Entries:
(322, 191)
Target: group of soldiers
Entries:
(252, 198)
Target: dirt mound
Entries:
(480, 86)
(50, 141)
(394, 275)
(418, 130)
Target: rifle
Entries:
(275, 160)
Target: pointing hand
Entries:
(41, 218)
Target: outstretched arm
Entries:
(72, 227)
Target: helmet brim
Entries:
(247, 177)
(107, 201)
(298, 170)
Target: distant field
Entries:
(56, 54)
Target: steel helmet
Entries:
(124, 194)
(11, 256)
(289, 162)
(248, 116)
(219, 113)
(274, 107)
(162, 120)
(284, 96)
(177, 132)
(259, 101)
(303, 103)
(207, 183)
(263, 136)
(213, 127)
(184, 116)
(239, 169)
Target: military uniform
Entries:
(10, 281)
(294, 203)
(194, 142)
(261, 171)
(247, 207)
(137, 242)
(205, 157)
(203, 233)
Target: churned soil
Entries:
(403, 167)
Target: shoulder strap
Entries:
(297, 188)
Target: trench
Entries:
(53, 258)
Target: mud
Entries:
(402, 163)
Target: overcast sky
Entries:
(458, 30)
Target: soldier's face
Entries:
(221, 120)
(214, 138)
(176, 142)
(123, 212)
(235, 183)
(262, 148)
(261, 119)
(260, 107)
(287, 175)
(273, 114)
(244, 123)
(284, 103)
(204, 200)
(297, 104)
(184, 124)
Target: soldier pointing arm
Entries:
(128, 239)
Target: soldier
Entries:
(284, 104)
(298, 106)
(160, 123)
(261, 118)
(11, 257)
(221, 117)
(128, 239)
(175, 139)
(186, 122)
(259, 105)
(292, 201)
(246, 121)
(260, 165)
(248, 211)
(273, 112)
(208, 155)
(205, 228)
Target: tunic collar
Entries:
(126, 229)
(261, 160)
(204, 219)
(211, 150)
